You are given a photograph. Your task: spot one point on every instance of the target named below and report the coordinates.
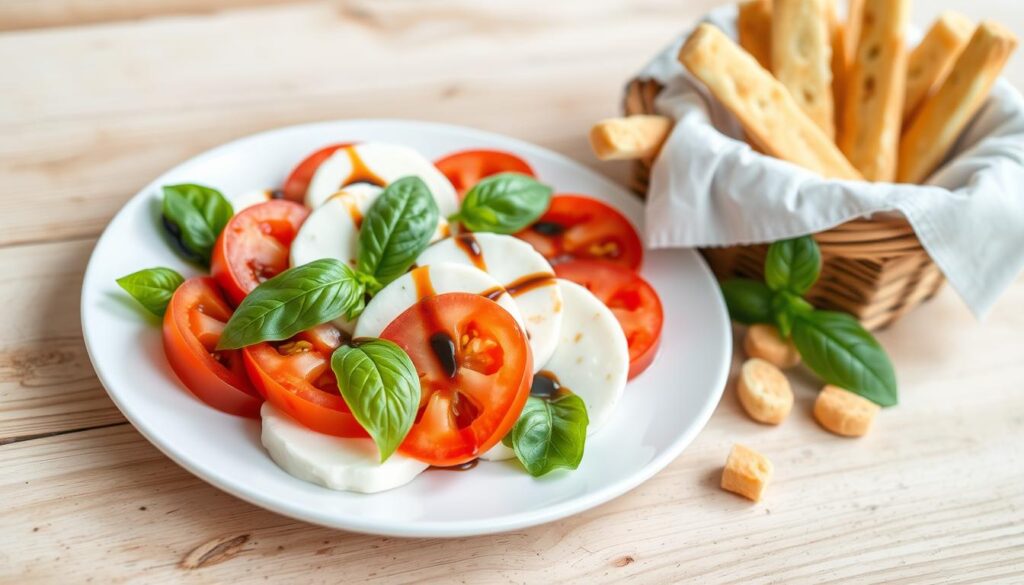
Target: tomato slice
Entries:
(577, 226)
(633, 301)
(296, 377)
(475, 369)
(192, 326)
(254, 246)
(295, 185)
(465, 169)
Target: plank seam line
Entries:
(22, 438)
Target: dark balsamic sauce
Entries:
(529, 282)
(443, 347)
(548, 228)
(360, 172)
(460, 467)
(546, 385)
(468, 244)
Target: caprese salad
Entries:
(382, 314)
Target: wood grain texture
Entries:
(92, 113)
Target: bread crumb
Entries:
(746, 472)
(843, 412)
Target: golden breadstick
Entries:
(945, 114)
(838, 31)
(931, 60)
(754, 24)
(873, 108)
(631, 137)
(764, 391)
(768, 113)
(763, 341)
(851, 32)
(843, 412)
(746, 472)
(802, 56)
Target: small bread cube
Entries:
(765, 342)
(764, 392)
(843, 412)
(746, 472)
(631, 137)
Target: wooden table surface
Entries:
(97, 97)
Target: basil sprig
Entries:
(152, 287)
(396, 229)
(550, 434)
(194, 216)
(379, 383)
(833, 345)
(293, 301)
(504, 204)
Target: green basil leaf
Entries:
(550, 434)
(749, 301)
(293, 301)
(504, 204)
(380, 384)
(152, 287)
(785, 307)
(841, 352)
(793, 265)
(396, 229)
(194, 216)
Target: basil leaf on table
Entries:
(194, 216)
(293, 301)
(841, 352)
(748, 301)
(152, 287)
(379, 383)
(396, 229)
(793, 265)
(550, 434)
(504, 204)
(786, 306)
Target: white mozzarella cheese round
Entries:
(333, 462)
(403, 292)
(250, 198)
(332, 231)
(381, 161)
(526, 274)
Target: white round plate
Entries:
(659, 414)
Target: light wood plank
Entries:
(25, 14)
(47, 384)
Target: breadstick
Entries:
(754, 24)
(945, 113)
(768, 113)
(802, 56)
(931, 60)
(873, 106)
(838, 31)
(631, 137)
(851, 32)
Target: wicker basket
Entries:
(874, 269)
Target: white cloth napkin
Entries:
(709, 188)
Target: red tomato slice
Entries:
(465, 169)
(193, 323)
(475, 369)
(296, 377)
(576, 226)
(295, 185)
(254, 246)
(635, 303)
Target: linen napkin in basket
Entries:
(709, 188)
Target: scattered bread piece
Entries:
(631, 137)
(873, 108)
(843, 412)
(768, 113)
(754, 24)
(764, 341)
(802, 56)
(945, 113)
(764, 391)
(746, 472)
(931, 60)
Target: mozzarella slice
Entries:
(592, 358)
(378, 163)
(333, 462)
(250, 198)
(408, 289)
(522, 271)
(332, 231)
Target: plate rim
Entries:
(418, 529)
